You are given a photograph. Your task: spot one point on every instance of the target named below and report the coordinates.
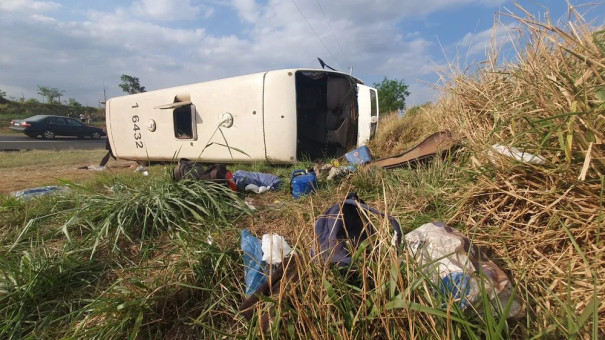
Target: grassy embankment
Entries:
(127, 256)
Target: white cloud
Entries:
(362, 11)
(21, 5)
(140, 39)
(480, 43)
(167, 10)
(42, 18)
(420, 93)
(247, 10)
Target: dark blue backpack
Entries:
(342, 224)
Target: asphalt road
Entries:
(18, 142)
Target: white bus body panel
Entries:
(280, 116)
(242, 99)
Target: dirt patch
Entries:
(31, 176)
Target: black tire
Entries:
(47, 134)
(95, 135)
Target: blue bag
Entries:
(342, 224)
(254, 267)
(243, 178)
(302, 182)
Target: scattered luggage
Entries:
(244, 179)
(255, 268)
(460, 270)
(361, 155)
(186, 169)
(343, 225)
(259, 256)
(286, 271)
(302, 182)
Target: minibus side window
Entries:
(183, 122)
(374, 110)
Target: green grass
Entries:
(41, 291)
(17, 159)
(128, 256)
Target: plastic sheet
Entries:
(37, 192)
(512, 152)
(254, 267)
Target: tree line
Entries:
(52, 95)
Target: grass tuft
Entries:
(139, 213)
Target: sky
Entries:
(83, 47)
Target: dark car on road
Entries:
(50, 126)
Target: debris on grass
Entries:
(31, 193)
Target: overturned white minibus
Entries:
(279, 116)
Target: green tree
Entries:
(73, 102)
(50, 93)
(3, 98)
(391, 94)
(131, 84)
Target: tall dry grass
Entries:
(542, 222)
(397, 135)
(546, 220)
(550, 101)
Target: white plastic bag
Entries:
(512, 152)
(275, 248)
